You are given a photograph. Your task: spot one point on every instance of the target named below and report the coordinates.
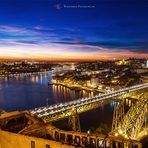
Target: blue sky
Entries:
(73, 29)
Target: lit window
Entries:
(47, 146)
(32, 144)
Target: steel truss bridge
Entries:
(63, 110)
(126, 127)
(131, 124)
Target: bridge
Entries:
(63, 110)
(131, 125)
(127, 129)
(36, 127)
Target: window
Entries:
(32, 144)
(47, 146)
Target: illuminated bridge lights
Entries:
(62, 107)
(133, 121)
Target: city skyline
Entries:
(73, 30)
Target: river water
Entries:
(28, 92)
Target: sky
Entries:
(73, 29)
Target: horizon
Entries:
(67, 61)
(73, 30)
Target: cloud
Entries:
(140, 47)
(80, 46)
(40, 28)
(11, 29)
(50, 41)
(73, 39)
(15, 42)
(22, 42)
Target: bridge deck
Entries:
(62, 110)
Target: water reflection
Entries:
(62, 93)
(30, 91)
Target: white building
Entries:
(69, 67)
(146, 63)
(94, 81)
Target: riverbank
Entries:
(77, 87)
(22, 74)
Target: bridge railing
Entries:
(52, 109)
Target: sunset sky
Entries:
(73, 29)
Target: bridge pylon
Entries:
(74, 121)
(133, 121)
(118, 114)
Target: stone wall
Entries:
(12, 140)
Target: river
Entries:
(28, 92)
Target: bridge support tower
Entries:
(118, 113)
(74, 121)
